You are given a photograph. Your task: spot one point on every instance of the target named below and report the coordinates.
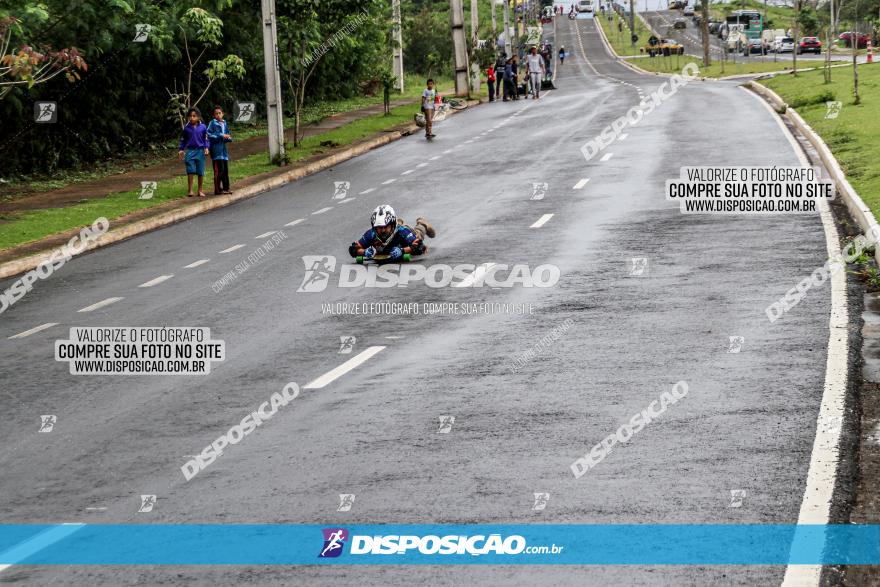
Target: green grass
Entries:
(29, 226)
(852, 136)
(674, 64)
(620, 41)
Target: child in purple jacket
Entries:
(193, 148)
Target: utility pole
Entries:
(397, 41)
(459, 45)
(475, 25)
(704, 32)
(273, 82)
(506, 12)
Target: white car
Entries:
(688, 11)
(783, 45)
(585, 6)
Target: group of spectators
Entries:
(503, 75)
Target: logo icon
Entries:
(318, 270)
(539, 190)
(147, 503)
(541, 500)
(47, 423)
(45, 112)
(446, 423)
(334, 541)
(141, 32)
(244, 111)
(340, 189)
(346, 344)
(346, 500)
(832, 109)
(638, 266)
(736, 498)
(736, 343)
(148, 188)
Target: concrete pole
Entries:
(475, 26)
(273, 82)
(397, 40)
(459, 47)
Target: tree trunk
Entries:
(854, 41)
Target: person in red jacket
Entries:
(491, 75)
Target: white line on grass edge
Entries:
(824, 460)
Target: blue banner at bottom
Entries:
(274, 544)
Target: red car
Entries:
(809, 44)
(862, 39)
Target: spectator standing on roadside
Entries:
(428, 98)
(490, 80)
(193, 148)
(507, 76)
(514, 78)
(536, 71)
(561, 55)
(499, 74)
(218, 136)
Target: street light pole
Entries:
(273, 82)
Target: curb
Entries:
(17, 266)
(854, 203)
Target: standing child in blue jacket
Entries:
(193, 148)
(218, 135)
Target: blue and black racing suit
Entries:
(403, 237)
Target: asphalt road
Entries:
(748, 422)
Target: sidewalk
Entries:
(78, 192)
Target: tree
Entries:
(27, 66)
(207, 30)
(307, 31)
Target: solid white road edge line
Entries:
(334, 374)
(816, 505)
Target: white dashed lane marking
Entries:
(367, 191)
(447, 151)
(607, 156)
(434, 158)
(156, 281)
(387, 181)
(334, 374)
(421, 164)
(100, 304)
(195, 264)
(232, 248)
(541, 221)
(581, 183)
(407, 172)
(34, 330)
(266, 234)
(622, 137)
(347, 200)
(295, 222)
(322, 210)
(478, 274)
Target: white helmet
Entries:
(384, 216)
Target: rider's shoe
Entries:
(429, 230)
